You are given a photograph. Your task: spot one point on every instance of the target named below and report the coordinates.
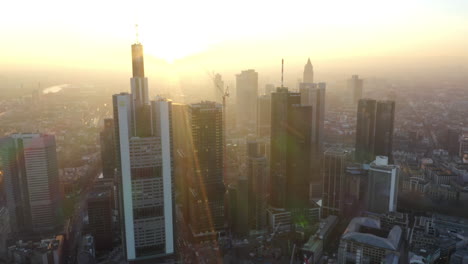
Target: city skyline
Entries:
(171, 133)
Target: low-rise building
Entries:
(364, 241)
(45, 251)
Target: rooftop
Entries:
(368, 231)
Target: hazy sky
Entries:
(91, 34)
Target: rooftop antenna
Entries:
(136, 33)
(282, 71)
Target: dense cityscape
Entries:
(265, 166)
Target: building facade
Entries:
(334, 181)
(108, 149)
(382, 186)
(206, 186)
(246, 97)
(143, 131)
(29, 166)
(291, 152)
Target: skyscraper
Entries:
(290, 169)
(108, 149)
(206, 193)
(246, 97)
(308, 76)
(384, 119)
(365, 129)
(263, 115)
(355, 86)
(382, 186)
(29, 165)
(334, 184)
(100, 204)
(257, 189)
(313, 94)
(144, 167)
(374, 129)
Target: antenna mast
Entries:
(136, 33)
(282, 71)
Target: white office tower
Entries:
(382, 186)
(143, 134)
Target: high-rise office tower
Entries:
(108, 149)
(365, 129)
(308, 73)
(313, 95)
(29, 165)
(100, 204)
(334, 182)
(453, 135)
(382, 186)
(355, 87)
(246, 97)
(257, 189)
(290, 169)
(263, 115)
(206, 194)
(269, 88)
(384, 119)
(144, 169)
(374, 129)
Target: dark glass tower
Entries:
(384, 120)
(334, 165)
(365, 130)
(290, 169)
(108, 149)
(206, 191)
(374, 130)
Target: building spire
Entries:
(308, 72)
(136, 34)
(282, 71)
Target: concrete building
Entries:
(334, 181)
(29, 166)
(246, 97)
(313, 248)
(45, 251)
(364, 241)
(382, 186)
(144, 169)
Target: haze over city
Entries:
(207, 132)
